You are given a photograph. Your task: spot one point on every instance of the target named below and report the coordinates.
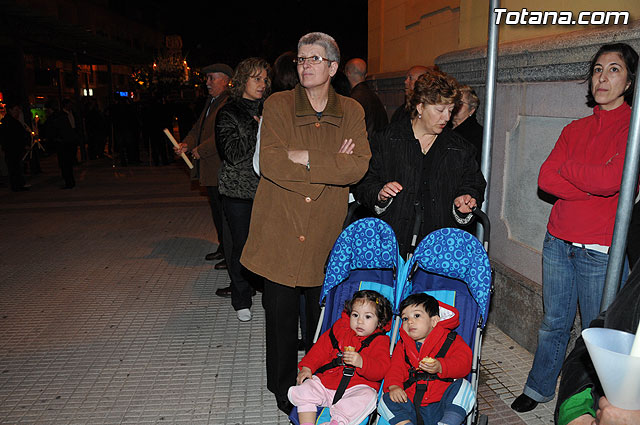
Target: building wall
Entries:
(539, 90)
(403, 33)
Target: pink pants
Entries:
(354, 406)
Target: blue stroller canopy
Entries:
(456, 254)
(368, 243)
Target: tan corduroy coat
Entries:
(298, 213)
(209, 162)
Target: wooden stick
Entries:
(170, 136)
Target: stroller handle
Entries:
(486, 225)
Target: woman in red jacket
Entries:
(357, 341)
(583, 171)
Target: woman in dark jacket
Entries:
(236, 132)
(464, 120)
(421, 171)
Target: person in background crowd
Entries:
(61, 135)
(374, 113)
(422, 173)
(14, 140)
(201, 141)
(583, 171)
(155, 118)
(68, 108)
(313, 145)
(285, 75)
(236, 133)
(125, 123)
(412, 75)
(340, 84)
(464, 120)
(96, 130)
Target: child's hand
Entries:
(433, 366)
(352, 358)
(397, 394)
(305, 373)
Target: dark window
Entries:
(102, 77)
(69, 79)
(45, 77)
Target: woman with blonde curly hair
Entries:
(421, 169)
(236, 132)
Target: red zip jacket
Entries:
(375, 358)
(455, 364)
(584, 171)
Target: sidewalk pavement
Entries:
(108, 312)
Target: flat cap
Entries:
(218, 67)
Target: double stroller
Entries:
(449, 264)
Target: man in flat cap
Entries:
(201, 142)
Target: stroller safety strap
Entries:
(347, 371)
(421, 378)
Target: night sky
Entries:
(239, 29)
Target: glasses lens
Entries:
(316, 59)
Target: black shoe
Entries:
(222, 265)
(523, 403)
(224, 292)
(212, 256)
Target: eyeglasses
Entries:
(313, 60)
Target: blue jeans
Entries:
(570, 275)
(456, 403)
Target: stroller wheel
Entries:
(483, 420)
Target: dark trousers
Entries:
(282, 305)
(157, 140)
(66, 158)
(217, 212)
(237, 212)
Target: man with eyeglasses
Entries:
(313, 146)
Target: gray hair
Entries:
(474, 100)
(323, 40)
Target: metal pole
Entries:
(625, 207)
(489, 106)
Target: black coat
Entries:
(375, 116)
(397, 156)
(236, 137)
(472, 132)
(14, 138)
(623, 314)
(58, 130)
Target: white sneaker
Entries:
(244, 315)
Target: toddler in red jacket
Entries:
(424, 382)
(355, 345)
